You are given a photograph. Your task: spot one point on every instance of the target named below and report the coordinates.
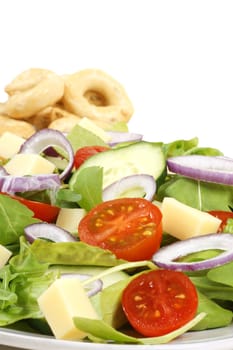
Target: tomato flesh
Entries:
(129, 227)
(85, 152)
(222, 215)
(42, 211)
(160, 301)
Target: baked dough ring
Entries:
(94, 94)
(31, 91)
(2, 108)
(18, 127)
(50, 115)
(65, 124)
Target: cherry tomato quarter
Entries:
(85, 152)
(160, 301)
(129, 227)
(42, 211)
(222, 215)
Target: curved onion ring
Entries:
(120, 137)
(205, 168)
(47, 231)
(11, 184)
(91, 289)
(166, 255)
(144, 182)
(45, 138)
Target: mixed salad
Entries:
(114, 188)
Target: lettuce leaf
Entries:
(14, 216)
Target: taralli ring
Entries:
(94, 94)
(18, 127)
(31, 91)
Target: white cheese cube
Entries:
(28, 164)
(5, 254)
(183, 221)
(10, 144)
(69, 218)
(95, 129)
(63, 300)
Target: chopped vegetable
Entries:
(159, 301)
(139, 185)
(206, 168)
(45, 138)
(129, 227)
(167, 256)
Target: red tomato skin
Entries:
(159, 302)
(42, 211)
(84, 153)
(129, 227)
(222, 215)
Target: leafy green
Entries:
(222, 274)
(179, 147)
(80, 137)
(14, 216)
(216, 316)
(228, 228)
(88, 183)
(21, 283)
(184, 147)
(72, 253)
(104, 332)
(197, 194)
(66, 198)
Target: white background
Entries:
(175, 58)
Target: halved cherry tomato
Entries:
(85, 152)
(222, 215)
(160, 301)
(129, 227)
(42, 211)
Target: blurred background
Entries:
(174, 58)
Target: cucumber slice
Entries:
(137, 158)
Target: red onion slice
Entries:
(3, 171)
(143, 181)
(43, 139)
(47, 231)
(120, 137)
(92, 288)
(206, 168)
(166, 255)
(12, 184)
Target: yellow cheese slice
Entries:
(10, 144)
(63, 300)
(28, 164)
(69, 218)
(5, 254)
(183, 221)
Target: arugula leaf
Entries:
(67, 198)
(89, 184)
(197, 194)
(80, 137)
(14, 216)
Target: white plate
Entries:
(217, 339)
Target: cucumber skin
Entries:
(138, 158)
